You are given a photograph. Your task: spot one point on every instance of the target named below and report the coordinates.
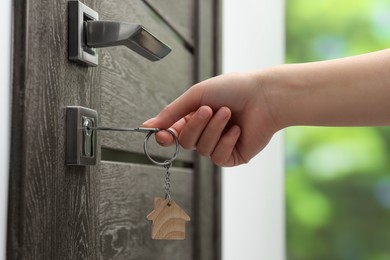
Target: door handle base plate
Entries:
(78, 14)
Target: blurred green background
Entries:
(337, 179)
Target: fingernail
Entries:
(203, 113)
(235, 130)
(160, 142)
(149, 121)
(223, 113)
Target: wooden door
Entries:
(99, 212)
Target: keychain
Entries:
(168, 219)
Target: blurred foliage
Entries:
(337, 179)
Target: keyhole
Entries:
(88, 137)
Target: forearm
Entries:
(353, 91)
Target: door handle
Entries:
(101, 34)
(86, 33)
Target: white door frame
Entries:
(5, 112)
(253, 194)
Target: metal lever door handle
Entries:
(86, 32)
(134, 36)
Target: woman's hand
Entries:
(226, 118)
(232, 117)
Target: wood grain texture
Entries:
(59, 212)
(52, 207)
(168, 220)
(127, 196)
(135, 89)
(207, 184)
(181, 15)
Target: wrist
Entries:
(278, 84)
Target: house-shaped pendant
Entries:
(168, 220)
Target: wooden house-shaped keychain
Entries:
(168, 220)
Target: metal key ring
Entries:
(166, 162)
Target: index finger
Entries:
(188, 102)
(166, 139)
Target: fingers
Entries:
(194, 123)
(182, 106)
(223, 154)
(212, 133)
(194, 127)
(204, 132)
(164, 138)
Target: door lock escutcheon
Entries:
(80, 138)
(86, 33)
(81, 127)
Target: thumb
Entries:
(188, 102)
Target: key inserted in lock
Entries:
(80, 138)
(88, 136)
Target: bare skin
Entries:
(232, 117)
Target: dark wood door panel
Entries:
(48, 213)
(127, 193)
(99, 212)
(181, 15)
(135, 89)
